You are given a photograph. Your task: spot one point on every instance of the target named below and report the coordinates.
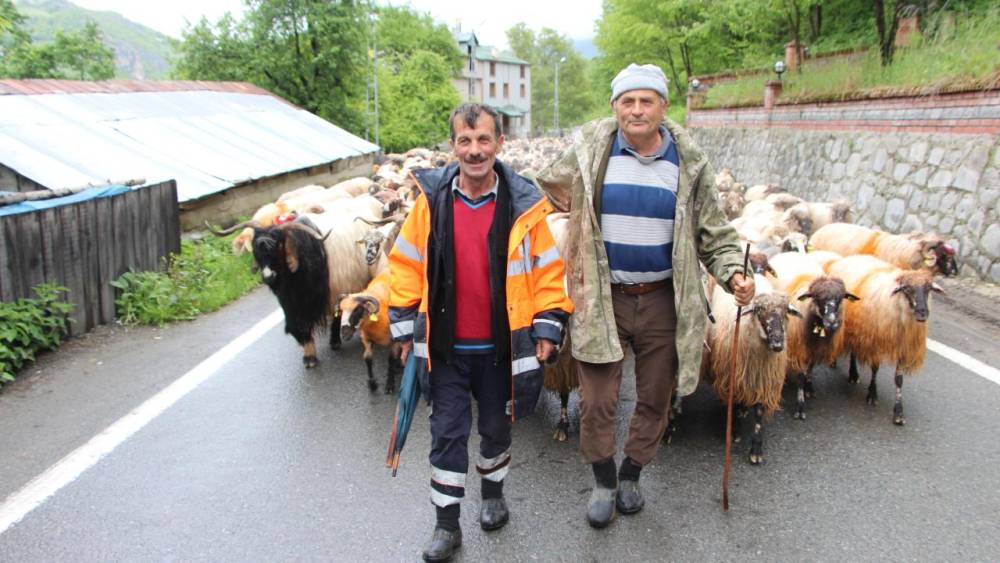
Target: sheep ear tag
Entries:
(373, 317)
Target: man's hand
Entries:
(404, 350)
(743, 289)
(544, 349)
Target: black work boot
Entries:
(493, 513)
(629, 498)
(443, 544)
(447, 534)
(601, 507)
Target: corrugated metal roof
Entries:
(208, 136)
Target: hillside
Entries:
(140, 52)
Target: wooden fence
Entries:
(86, 245)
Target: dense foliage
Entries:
(28, 326)
(693, 37)
(203, 277)
(79, 55)
(320, 56)
(961, 55)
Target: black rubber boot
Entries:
(601, 507)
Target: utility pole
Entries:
(374, 18)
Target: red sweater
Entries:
(473, 302)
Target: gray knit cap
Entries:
(639, 77)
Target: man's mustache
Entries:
(475, 159)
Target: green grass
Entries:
(202, 278)
(967, 58)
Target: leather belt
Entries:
(640, 288)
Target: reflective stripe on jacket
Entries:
(537, 304)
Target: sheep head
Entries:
(916, 287)
(771, 311)
(354, 309)
(798, 218)
(825, 313)
(940, 256)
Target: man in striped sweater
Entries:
(634, 273)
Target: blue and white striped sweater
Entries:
(638, 203)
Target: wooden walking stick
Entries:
(729, 402)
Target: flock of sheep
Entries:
(323, 251)
(825, 287)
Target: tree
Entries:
(542, 50)
(416, 101)
(78, 55)
(319, 55)
(311, 53)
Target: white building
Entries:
(498, 79)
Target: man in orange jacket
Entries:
(478, 297)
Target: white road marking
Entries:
(966, 361)
(66, 470)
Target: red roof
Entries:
(45, 86)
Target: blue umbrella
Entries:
(409, 394)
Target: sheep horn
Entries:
(234, 228)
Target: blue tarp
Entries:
(89, 193)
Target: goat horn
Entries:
(234, 228)
(307, 229)
(377, 223)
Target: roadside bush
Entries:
(203, 277)
(28, 326)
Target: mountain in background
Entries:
(586, 48)
(140, 52)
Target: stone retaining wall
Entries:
(928, 164)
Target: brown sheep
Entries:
(816, 337)
(368, 311)
(889, 322)
(910, 252)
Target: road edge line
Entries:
(32, 495)
(964, 360)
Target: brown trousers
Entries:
(647, 324)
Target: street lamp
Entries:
(779, 67)
(561, 60)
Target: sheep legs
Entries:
(390, 377)
(562, 428)
(852, 373)
(800, 398)
(872, 397)
(897, 409)
(335, 333)
(369, 353)
(309, 354)
(757, 437)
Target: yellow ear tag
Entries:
(373, 317)
(929, 261)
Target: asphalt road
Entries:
(266, 461)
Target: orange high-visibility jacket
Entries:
(537, 304)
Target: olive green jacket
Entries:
(701, 233)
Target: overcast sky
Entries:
(489, 20)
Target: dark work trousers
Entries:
(451, 422)
(647, 324)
